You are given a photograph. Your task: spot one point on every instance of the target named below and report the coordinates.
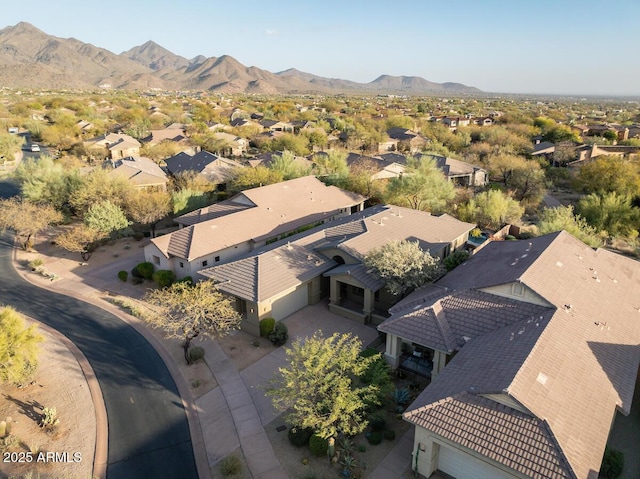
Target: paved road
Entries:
(148, 430)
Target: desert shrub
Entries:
(230, 466)
(135, 273)
(401, 396)
(510, 238)
(36, 263)
(318, 445)
(136, 280)
(526, 235)
(164, 277)
(49, 419)
(146, 270)
(186, 279)
(375, 438)
(267, 326)
(122, 276)
(455, 259)
(389, 434)
(377, 422)
(299, 436)
(138, 236)
(612, 463)
(279, 335)
(195, 353)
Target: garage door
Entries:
(463, 466)
(291, 303)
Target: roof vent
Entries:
(542, 378)
(568, 307)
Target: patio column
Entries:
(393, 350)
(368, 304)
(334, 291)
(439, 362)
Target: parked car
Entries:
(35, 147)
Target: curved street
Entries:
(148, 429)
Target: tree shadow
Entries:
(30, 408)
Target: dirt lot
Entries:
(60, 383)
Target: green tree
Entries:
(18, 347)
(529, 183)
(422, 187)
(27, 219)
(246, 178)
(331, 165)
(491, 209)
(9, 146)
(44, 180)
(403, 265)
(562, 218)
(187, 200)
(610, 213)
(287, 165)
(107, 218)
(187, 312)
(317, 388)
(148, 207)
(79, 239)
(99, 186)
(608, 175)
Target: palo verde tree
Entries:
(18, 347)
(80, 239)
(26, 218)
(423, 186)
(403, 265)
(318, 387)
(186, 312)
(491, 209)
(563, 218)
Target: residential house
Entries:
(454, 122)
(233, 145)
(326, 261)
(244, 123)
(140, 171)
(408, 140)
(176, 132)
(586, 153)
(532, 347)
(275, 125)
(118, 145)
(460, 172)
(215, 168)
(248, 221)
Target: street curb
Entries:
(102, 430)
(188, 402)
(101, 453)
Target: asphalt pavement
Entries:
(148, 429)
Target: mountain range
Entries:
(30, 58)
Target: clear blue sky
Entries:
(511, 46)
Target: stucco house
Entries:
(326, 262)
(118, 145)
(532, 347)
(249, 220)
(140, 171)
(216, 169)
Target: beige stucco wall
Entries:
(511, 291)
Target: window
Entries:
(205, 263)
(217, 258)
(156, 259)
(517, 289)
(181, 264)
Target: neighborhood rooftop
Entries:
(550, 370)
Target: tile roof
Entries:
(573, 364)
(433, 233)
(518, 440)
(279, 208)
(450, 320)
(211, 212)
(265, 274)
(219, 169)
(139, 170)
(361, 273)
